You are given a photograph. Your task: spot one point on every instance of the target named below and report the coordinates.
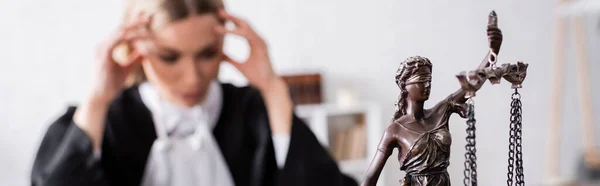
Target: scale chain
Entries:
(515, 141)
(470, 171)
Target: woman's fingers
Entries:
(125, 33)
(242, 28)
(257, 44)
(129, 45)
(139, 27)
(237, 21)
(141, 42)
(258, 48)
(122, 48)
(135, 60)
(137, 37)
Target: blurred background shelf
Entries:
(350, 132)
(574, 45)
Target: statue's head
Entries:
(414, 80)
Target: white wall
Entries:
(46, 49)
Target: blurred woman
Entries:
(159, 117)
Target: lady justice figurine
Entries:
(421, 135)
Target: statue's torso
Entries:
(425, 146)
(428, 141)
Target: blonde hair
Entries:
(164, 12)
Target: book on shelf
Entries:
(305, 88)
(350, 143)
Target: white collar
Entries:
(169, 116)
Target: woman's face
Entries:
(184, 58)
(420, 87)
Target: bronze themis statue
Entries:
(421, 135)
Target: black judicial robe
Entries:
(65, 156)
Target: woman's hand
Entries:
(257, 68)
(110, 80)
